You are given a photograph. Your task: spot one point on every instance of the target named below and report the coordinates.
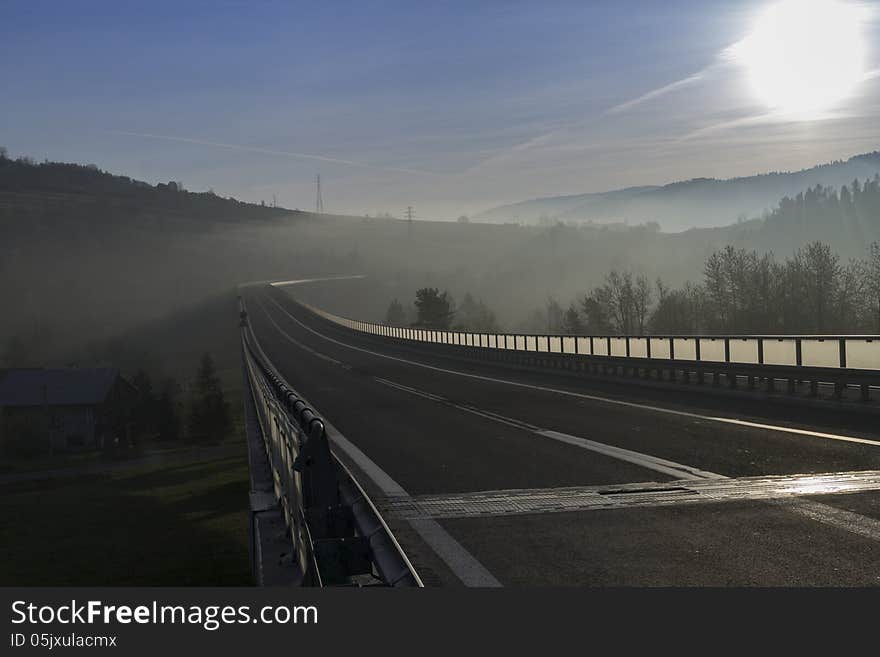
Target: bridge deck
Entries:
(429, 425)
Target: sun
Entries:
(804, 57)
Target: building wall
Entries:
(70, 428)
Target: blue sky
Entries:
(451, 107)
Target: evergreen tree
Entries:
(435, 310)
(209, 413)
(395, 315)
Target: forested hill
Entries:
(84, 252)
(61, 195)
(847, 218)
(702, 202)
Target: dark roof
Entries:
(58, 387)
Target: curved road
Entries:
(497, 476)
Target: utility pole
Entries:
(319, 200)
(410, 213)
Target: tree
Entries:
(595, 311)
(145, 405)
(463, 219)
(4, 154)
(209, 412)
(677, 311)
(821, 273)
(167, 413)
(873, 282)
(621, 304)
(395, 315)
(571, 321)
(641, 303)
(474, 315)
(434, 310)
(555, 316)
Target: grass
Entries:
(182, 525)
(62, 460)
(178, 525)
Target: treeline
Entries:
(58, 181)
(164, 413)
(437, 310)
(848, 217)
(742, 291)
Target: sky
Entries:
(449, 107)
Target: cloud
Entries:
(661, 91)
(269, 151)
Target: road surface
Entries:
(491, 475)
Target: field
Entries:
(179, 524)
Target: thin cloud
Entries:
(657, 93)
(758, 119)
(269, 151)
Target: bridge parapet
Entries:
(836, 361)
(332, 533)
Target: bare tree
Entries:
(873, 276)
(641, 303)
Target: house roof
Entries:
(57, 387)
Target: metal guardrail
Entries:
(840, 360)
(335, 531)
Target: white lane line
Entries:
(645, 460)
(461, 562)
(854, 523)
(580, 395)
(675, 470)
(816, 511)
(299, 344)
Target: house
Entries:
(65, 409)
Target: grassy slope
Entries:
(168, 526)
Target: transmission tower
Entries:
(319, 200)
(410, 213)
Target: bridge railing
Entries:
(827, 351)
(335, 532)
(839, 359)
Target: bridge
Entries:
(400, 456)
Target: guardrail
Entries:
(336, 535)
(839, 360)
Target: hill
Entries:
(701, 202)
(95, 262)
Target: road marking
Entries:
(779, 488)
(299, 344)
(829, 515)
(676, 470)
(465, 565)
(316, 280)
(580, 395)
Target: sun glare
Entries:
(804, 57)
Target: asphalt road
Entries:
(491, 475)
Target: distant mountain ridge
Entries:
(696, 203)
